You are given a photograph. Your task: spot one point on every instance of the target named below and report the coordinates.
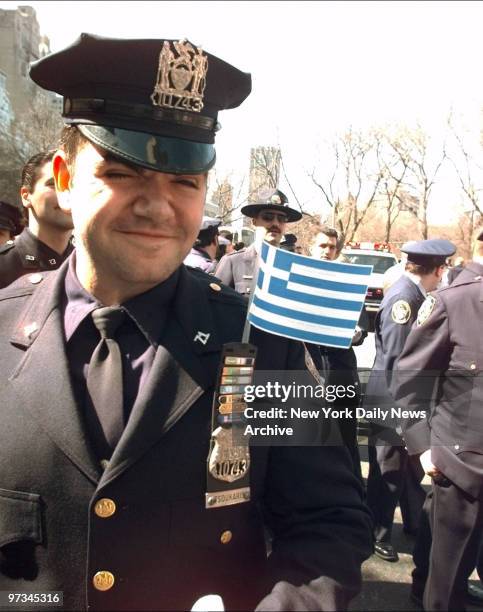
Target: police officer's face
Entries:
(133, 226)
(274, 223)
(42, 201)
(324, 247)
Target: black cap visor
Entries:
(160, 153)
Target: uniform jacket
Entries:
(237, 269)
(163, 547)
(390, 337)
(197, 258)
(442, 361)
(27, 254)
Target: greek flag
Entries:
(308, 299)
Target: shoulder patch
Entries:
(401, 312)
(426, 309)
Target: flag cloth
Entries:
(308, 299)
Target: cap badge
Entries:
(276, 199)
(181, 77)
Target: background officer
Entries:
(440, 371)
(103, 451)
(388, 459)
(288, 243)
(340, 365)
(10, 222)
(271, 212)
(203, 253)
(45, 243)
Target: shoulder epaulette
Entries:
(7, 246)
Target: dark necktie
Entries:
(104, 375)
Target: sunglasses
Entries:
(270, 216)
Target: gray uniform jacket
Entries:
(441, 370)
(164, 548)
(237, 269)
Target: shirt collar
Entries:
(417, 281)
(148, 310)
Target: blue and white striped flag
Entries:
(308, 299)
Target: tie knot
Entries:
(108, 319)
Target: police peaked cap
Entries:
(288, 240)
(151, 102)
(275, 201)
(429, 250)
(10, 217)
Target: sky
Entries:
(317, 67)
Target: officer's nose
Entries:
(153, 199)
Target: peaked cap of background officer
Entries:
(422, 251)
(275, 201)
(150, 102)
(10, 217)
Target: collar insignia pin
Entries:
(201, 337)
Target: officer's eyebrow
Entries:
(108, 158)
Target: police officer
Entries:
(271, 212)
(45, 243)
(203, 253)
(439, 370)
(109, 366)
(340, 365)
(10, 222)
(288, 243)
(388, 459)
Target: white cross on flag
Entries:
(308, 299)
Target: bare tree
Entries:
(468, 166)
(36, 130)
(421, 161)
(352, 184)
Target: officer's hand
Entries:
(428, 466)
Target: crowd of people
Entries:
(122, 309)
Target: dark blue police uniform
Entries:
(440, 370)
(27, 254)
(392, 475)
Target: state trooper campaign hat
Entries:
(434, 250)
(272, 200)
(150, 102)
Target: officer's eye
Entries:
(189, 182)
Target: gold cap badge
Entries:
(181, 77)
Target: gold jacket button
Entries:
(215, 287)
(105, 507)
(226, 537)
(103, 581)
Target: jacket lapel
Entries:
(41, 382)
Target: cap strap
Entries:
(96, 106)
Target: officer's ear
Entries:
(62, 180)
(25, 197)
